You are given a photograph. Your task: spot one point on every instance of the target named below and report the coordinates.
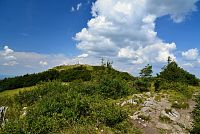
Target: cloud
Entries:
(188, 65)
(72, 9)
(7, 56)
(76, 8)
(83, 56)
(125, 29)
(190, 60)
(43, 63)
(120, 30)
(10, 63)
(18, 63)
(7, 51)
(191, 54)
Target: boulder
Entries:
(174, 115)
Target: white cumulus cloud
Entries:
(124, 30)
(191, 54)
(18, 63)
(8, 59)
(43, 63)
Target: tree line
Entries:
(171, 73)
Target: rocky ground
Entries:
(152, 113)
(155, 114)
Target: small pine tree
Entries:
(173, 73)
(146, 71)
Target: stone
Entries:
(144, 125)
(134, 117)
(149, 103)
(148, 93)
(174, 115)
(131, 101)
(178, 128)
(163, 126)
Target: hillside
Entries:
(62, 73)
(82, 99)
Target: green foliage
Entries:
(54, 107)
(165, 119)
(64, 74)
(142, 84)
(77, 73)
(180, 105)
(146, 71)
(173, 73)
(27, 80)
(107, 63)
(175, 86)
(113, 87)
(196, 116)
(144, 117)
(125, 127)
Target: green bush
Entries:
(196, 116)
(142, 85)
(165, 119)
(144, 117)
(180, 105)
(173, 73)
(113, 87)
(78, 73)
(54, 107)
(175, 86)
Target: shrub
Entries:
(144, 117)
(196, 116)
(55, 107)
(165, 119)
(112, 115)
(175, 86)
(182, 105)
(113, 87)
(142, 85)
(173, 73)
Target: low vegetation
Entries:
(165, 119)
(84, 99)
(196, 115)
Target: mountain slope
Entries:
(62, 73)
(97, 100)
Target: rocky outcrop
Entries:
(159, 114)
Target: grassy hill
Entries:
(82, 99)
(70, 103)
(62, 73)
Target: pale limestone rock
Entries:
(163, 126)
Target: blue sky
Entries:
(36, 35)
(35, 25)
